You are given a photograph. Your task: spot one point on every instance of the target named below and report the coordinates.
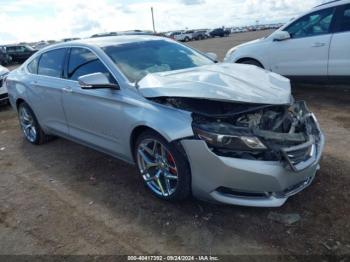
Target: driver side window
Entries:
(316, 23)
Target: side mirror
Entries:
(281, 36)
(96, 81)
(212, 56)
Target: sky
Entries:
(35, 20)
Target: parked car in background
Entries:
(5, 59)
(207, 33)
(235, 30)
(184, 36)
(104, 34)
(129, 32)
(223, 132)
(199, 34)
(70, 39)
(136, 32)
(172, 34)
(3, 90)
(313, 47)
(40, 45)
(19, 53)
(220, 32)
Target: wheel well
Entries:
(135, 134)
(19, 101)
(140, 129)
(241, 60)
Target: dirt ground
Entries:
(63, 198)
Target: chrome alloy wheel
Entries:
(27, 124)
(157, 167)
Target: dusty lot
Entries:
(62, 198)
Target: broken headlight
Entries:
(240, 143)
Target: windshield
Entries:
(138, 59)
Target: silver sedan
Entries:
(222, 132)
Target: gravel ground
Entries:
(63, 198)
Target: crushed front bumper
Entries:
(246, 182)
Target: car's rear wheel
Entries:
(163, 168)
(30, 126)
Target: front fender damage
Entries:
(289, 132)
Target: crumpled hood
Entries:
(222, 82)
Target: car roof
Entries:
(331, 4)
(109, 40)
(316, 8)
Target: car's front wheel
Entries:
(30, 126)
(163, 168)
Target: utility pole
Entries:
(154, 29)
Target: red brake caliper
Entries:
(171, 162)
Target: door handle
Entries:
(67, 90)
(318, 44)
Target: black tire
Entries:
(183, 188)
(187, 39)
(252, 62)
(41, 137)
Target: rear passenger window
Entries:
(84, 62)
(33, 66)
(345, 20)
(51, 63)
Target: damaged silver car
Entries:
(228, 133)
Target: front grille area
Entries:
(301, 156)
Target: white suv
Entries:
(3, 91)
(312, 47)
(184, 36)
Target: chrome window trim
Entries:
(37, 70)
(77, 46)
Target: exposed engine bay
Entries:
(253, 131)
